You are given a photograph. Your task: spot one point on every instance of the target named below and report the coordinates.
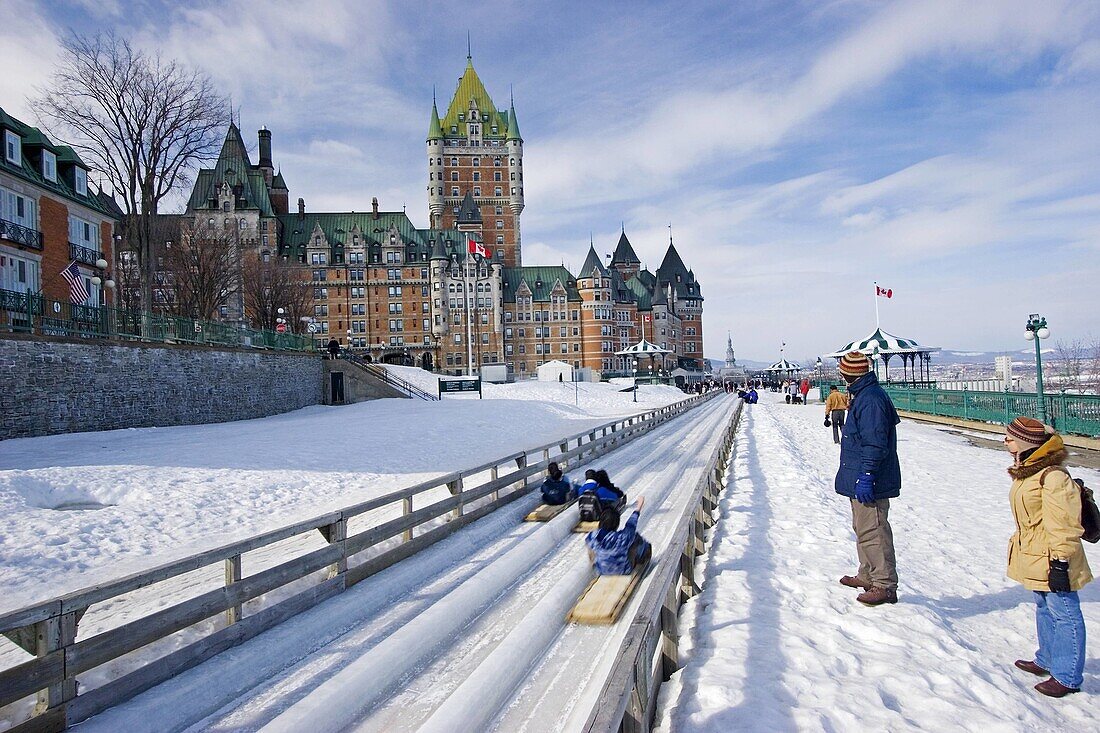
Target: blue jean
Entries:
(1061, 630)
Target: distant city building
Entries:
(49, 218)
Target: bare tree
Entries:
(201, 271)
(1071, 356)
(142, 121)
(269, 286)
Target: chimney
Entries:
(374, 206)
(301, 208)
(265, 148)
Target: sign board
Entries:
(450, 386)
(312, 328)
(198, 328)
(280, 327)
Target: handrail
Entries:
(444, 504)
(648, 654)
(382, 373)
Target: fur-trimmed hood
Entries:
(1050, 453)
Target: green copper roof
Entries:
(641, 293)
(592, 262)
(541, 281)
(29, 169)
(435, 130)
(513, 125)
(340, 228)
(470, 87)
(235, 168)
(624, 252)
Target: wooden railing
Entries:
(411, 519)
(648, 655)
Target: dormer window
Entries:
(461, 116)
(80, 179)
(13, 148)
(49, 166)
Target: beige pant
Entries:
(875, 544)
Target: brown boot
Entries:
(1031, 667)
(875, 596)
(853, 581)
(1054, 688)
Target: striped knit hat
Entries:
(1028, 432)
(854, 364)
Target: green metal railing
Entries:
(29, 313)
(1068, 413)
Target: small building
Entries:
(883, 347)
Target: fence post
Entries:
(406, 510)
(966, 411)
(335, 534)
(455, 487)
(232, 575)
(54, 635)
(494, 474)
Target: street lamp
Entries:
(635, 380)
(1035, 329)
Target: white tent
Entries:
(555, 371)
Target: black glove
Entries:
(827, 423)
(1059, 576)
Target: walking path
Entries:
(774, 643)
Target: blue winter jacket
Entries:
(869, 441)
(612, 548)
(604, 494)
(556, 492)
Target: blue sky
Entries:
(800, 150)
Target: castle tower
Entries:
(476, 150)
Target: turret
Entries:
(435, 168)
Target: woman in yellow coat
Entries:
(1045, 554)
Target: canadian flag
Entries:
(646, 317)
(884, 292)
(476, 248)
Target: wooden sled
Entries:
(546, 512)
(603, 600)
(586, 527)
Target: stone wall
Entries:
(71, 385)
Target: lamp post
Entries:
(635, 380)
(1036, 329)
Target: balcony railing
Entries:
(84, 255)
(20, 234)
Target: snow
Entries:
(82, 508)
(774, 643)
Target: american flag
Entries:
(77, 292)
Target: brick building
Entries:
(49, 218)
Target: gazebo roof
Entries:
(783, 366)
(643, 348)
(881, 342)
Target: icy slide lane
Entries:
(463, 621)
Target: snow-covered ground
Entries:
(774, 643)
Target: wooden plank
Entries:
(546, 512)
(31, 676)
(29, 616)
(51, 721)
(585, 527)
(603, 599)
(89, 653)
(152, 674)
(81, 599)
(382, 532)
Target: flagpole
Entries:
(877, 326)
(466, 304)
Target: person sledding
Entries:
(598, 493)
(615, 551)
(557, 489)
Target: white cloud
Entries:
(28, 51)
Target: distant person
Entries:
(597, 494)
(333, 349)
(752, 396)
(835, 406)
(792, 390)
(617, 551)
(1045, 553)
(870, 475)
(804, 389)
(556, 488)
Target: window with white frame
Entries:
(13, 148)
(49, 166)
(83, 233)
(18, 209)
(80, 178)
(19, 274)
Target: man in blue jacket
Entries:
(556, 489)
(870, 476)
(617, 551)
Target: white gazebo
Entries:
(784, 368)
(647, 349)
(880, 345)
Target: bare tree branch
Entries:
(142, 121)
(268, 286)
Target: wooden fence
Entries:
(648, 655)
(422, 515)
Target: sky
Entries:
(800, 151)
